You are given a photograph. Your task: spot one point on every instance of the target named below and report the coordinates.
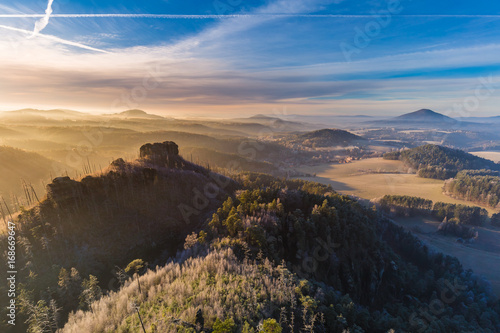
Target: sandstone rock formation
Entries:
(165, 153)
(63, 189)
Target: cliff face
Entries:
(165, 154)
(159, 150)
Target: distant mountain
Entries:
(488, 120)
(20, 166)
(426, 119)
(44, 112)
(135, 113)
(261, 116)
(328, 138)
(7, 132)
(57, 114)
(335, 121)
(424, 115)
(275, 124)
(70, 114)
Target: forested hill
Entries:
(262, 254)
(83, 228)
(21, 167)
(328, 138)
(433, 161)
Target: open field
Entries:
(375, 177)
(490, 155)
(483, 256)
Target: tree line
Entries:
(438, 162)
(481, 186)
(402, 205)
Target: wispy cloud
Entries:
(229, 16)
(40, 25)
(44, 21)
(53, 38)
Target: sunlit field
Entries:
(491, 155)
(375, 177)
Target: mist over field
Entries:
(249, 166)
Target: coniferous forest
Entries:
(482, 186)
(245, 253)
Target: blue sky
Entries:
(295, 56)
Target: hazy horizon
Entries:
(275, 113)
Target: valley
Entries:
(375, 177)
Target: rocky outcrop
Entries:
(147, 170)
(159, 150)
(165, 153)
(63, 190)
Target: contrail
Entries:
(201, 17)
(54, 38)
(44, 21)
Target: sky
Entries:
(225, 58)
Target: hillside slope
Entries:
(220, 159)
(19, 166)
(143, 208)
(292, 256)
(188, 286)
(328, 138)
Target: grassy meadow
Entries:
(490, 155)
(375, 177)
